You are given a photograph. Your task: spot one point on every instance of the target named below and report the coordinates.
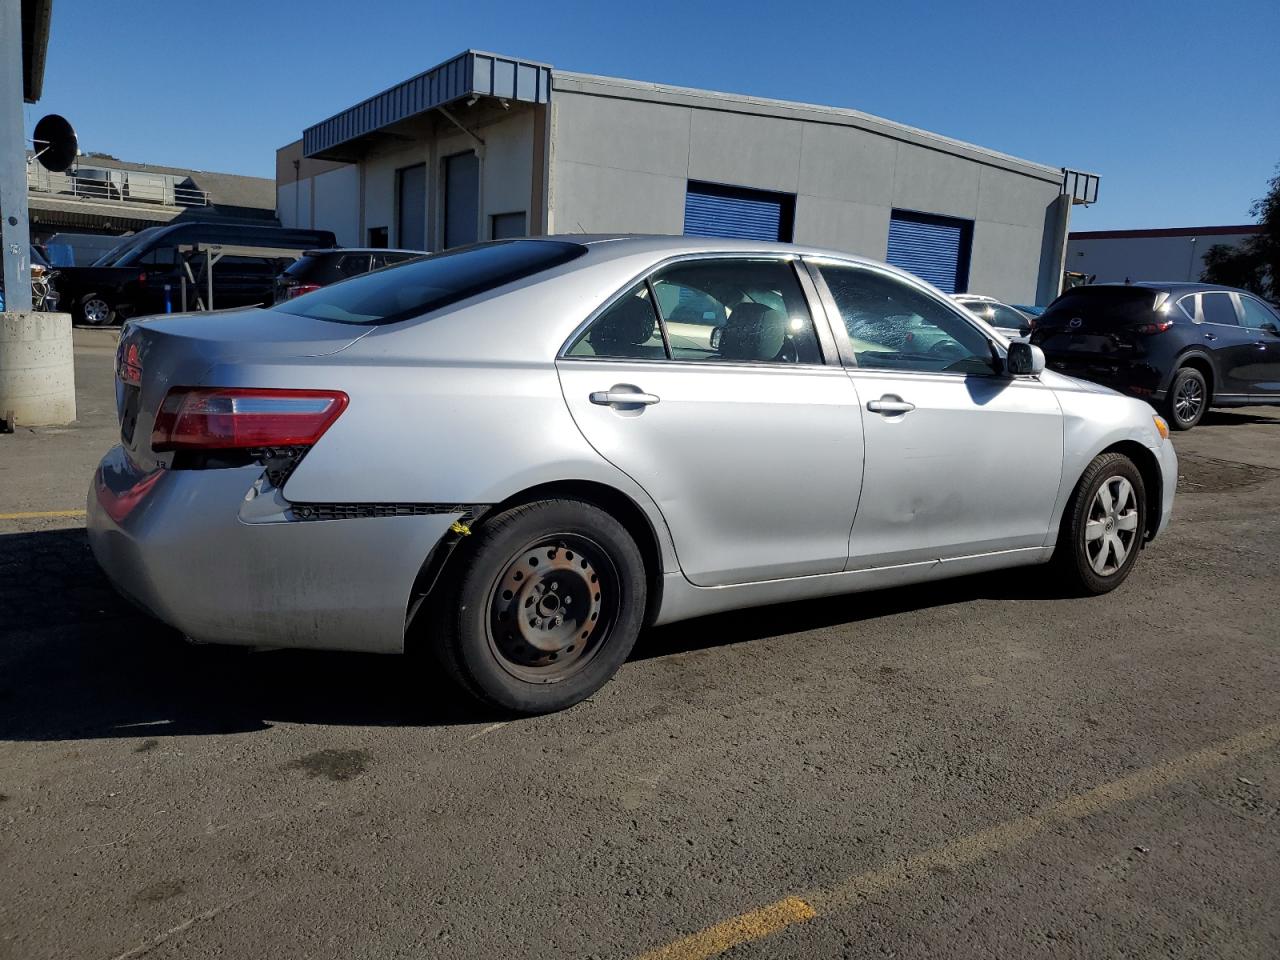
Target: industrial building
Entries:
(1175, 253)
(485, 146)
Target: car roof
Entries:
(322, 251)
(609, 246)
(1172, 287)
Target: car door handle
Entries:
(890, 403)
(616, 397)
(1210, 336)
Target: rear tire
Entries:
(543, 608)
(1188, 399)
(1103, 525)
(96, 311)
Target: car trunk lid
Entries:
(156, 354)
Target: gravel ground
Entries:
(974, 768)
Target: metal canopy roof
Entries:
(473, 73)
(35, 41)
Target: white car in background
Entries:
(1013, 323)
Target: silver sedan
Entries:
(517, 455)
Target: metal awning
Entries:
(35, 41)
(470, 74)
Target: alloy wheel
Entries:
(1189, 399)
(97, 311)
(552, 608)
(1111, 532)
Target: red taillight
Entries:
(142, 279)
(301, 288)
(1149, 328)
(129, 365)
(226, 418)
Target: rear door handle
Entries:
(616, 397)
(1210, 336)
(890, 403)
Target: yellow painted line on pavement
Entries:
(723, 936)
(42, 514)
(768, 920)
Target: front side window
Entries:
(893, 325)
(715, 310)
(1218, 308)
(430, 283)
(1256, 315)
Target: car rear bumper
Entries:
(206, 553)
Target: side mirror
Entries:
(1024, 330)
(1268, 327)
(1024, 360)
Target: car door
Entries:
(714, 386)
(1262, 323)
(960, 459)
(1234, 347)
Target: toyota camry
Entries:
(518, 454)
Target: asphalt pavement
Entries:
(978, 768)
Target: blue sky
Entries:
(1176, 104)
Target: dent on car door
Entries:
(708, 385)
(960, 459)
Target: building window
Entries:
(411, 207)
(378, 238)
(507, 226)
(719, 210)
(934, 248)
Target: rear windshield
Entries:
(1102, 306)
(420, 286)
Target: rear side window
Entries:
(1218, 308)
(1191, 306)
(421, 286)
(354, 264)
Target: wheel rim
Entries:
(1111, 532)
(96, 311)
(552, 608)
(1188, 399)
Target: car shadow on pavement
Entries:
(756, 623)
(78, 662)
(1230, 418)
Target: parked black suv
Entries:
(1184, 347)
(319, 268)
(130, 279)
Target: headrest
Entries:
(630, 321)
(754, 332)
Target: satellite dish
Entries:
(55, 142)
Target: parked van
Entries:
(143, 274)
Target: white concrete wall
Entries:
(1116, 259)
(621, 163)
(335, 204)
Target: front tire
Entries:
(545, 606)
(1188, 398)
(1103, 526)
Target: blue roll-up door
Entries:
(711, 210)
(935, 249)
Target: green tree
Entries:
(1255, 264)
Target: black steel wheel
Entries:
(542, 607)
(1188, 399)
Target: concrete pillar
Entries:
(37, 369)
(15, 250)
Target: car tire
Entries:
(1093, 535)
(544, 607)
(1188, 399)
(96, 311)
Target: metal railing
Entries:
(118, 186)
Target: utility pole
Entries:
(13, 163)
